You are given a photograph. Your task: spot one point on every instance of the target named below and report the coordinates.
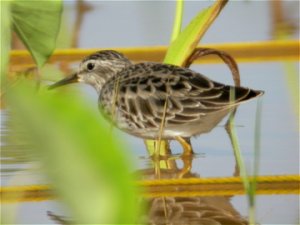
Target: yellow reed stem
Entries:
(287, 50)
(215, 186)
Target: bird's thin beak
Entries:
(68, 80)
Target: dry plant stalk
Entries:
(227, 59)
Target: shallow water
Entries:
(214, 155)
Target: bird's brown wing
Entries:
(147, 91)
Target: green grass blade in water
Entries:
(88, 169)
(257, 141)
(292, 79)
(37, 24)
(178, 19)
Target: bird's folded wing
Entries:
(148, 92)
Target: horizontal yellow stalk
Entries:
(213, 186)
(242, 52)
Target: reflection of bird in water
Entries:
(140, 98)
(192, 211)
(214, 210)
(183, 211)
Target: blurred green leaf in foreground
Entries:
(5, 36)
(85, 164)
(37, 24)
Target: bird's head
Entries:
(96, 69)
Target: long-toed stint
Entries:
(140, 98)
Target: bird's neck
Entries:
(106, 74)
(99, 81)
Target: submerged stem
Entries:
(237, 152)
(257, 135)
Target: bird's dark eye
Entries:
(90, 66)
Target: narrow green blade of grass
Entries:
(86, 166)
(37, 24)
(186, 42)
(236, 146)
(249, 185)
(292, 79)
(177, 20)
(253, 183)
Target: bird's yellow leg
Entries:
(164, 153)
(187, 148)
(187, 165)
(187, 156)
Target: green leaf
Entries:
(178, 19)
(186, 42)
(88, 168)
(37, 24)
(5, 36)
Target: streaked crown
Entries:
(106, 55)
